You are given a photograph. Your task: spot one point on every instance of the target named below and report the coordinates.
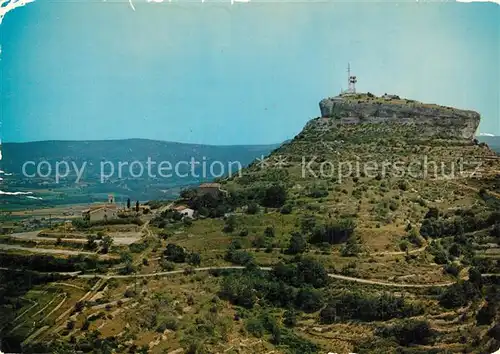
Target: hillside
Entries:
(390, 200)
(111, 153)
(358, 235)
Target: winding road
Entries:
(205, 269)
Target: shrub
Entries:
(230, 224)
(290, 318)
(452, 269)
(239, 257)
(486, 314)
(194, 259)
(414, 237)
(352, 247)
(432, 213)
(333, 233)
(255, 327)
(356, 305)
(286, 209)
(410, 332)
(309, 300)
(328, 315)
(475, 276)
(404, 245)
(455, 250)
(494, 332)
(174, 253)
(253, 208)
(269, 231)
(167, 265)
(297, 244)
(495, 231)
(273, 196)
(458, 295)
(237, 291)
(306, 272)
(170, 323)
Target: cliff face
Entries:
(427, 120)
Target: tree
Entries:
(286, 209)
(455, 250)
(230, 224)
(458, 295)
(475, 276)
(297, 244)
(128, 203)
(410, 332)
(333, 233)
(194, 259)
(274, 196)
(494, 332)
(290, 318)
(309, 300)
(404, 246)
(310, 271)
(106, 243)
(432, 213)
(239, 257)
(487, 314)
(269, 231)
(351, 248)
(137, 206)
(253, 208)
(328, 315)
(495, 231)
(91, 242)
(188, 194)
(175, 253)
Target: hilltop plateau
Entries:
(426, 120)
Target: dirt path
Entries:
(53, 251)
(204, 269)
(398, 253)
(495, 194)
(33, 236)
(69, 285)
(21, 315)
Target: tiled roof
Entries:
(210, 185)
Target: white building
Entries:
(185, 211)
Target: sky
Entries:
(247, 73)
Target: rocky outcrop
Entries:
(428, 119)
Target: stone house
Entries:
(213, 189)
(101, 212)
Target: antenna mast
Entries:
(351, 80)
(348, 75)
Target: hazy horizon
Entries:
(124, 139)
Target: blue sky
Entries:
(249, 73)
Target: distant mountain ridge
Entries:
(114, 152)
(492, 141)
